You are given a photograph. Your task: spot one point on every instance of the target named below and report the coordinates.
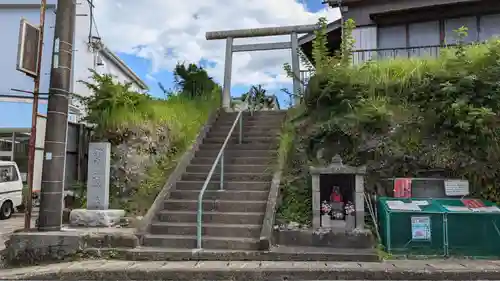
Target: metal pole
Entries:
(241, 128)
(199, 218)
(57, 119)
(34, 116)
(222, 172)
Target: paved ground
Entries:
(15, 222)
(218, 270)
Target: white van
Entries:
(11, 189)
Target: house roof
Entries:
(329, 28)
(333, 39)
(337, 3)
(106, 52)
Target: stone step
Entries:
(237, 146)
(215, 205)
(252, 121)
(248, 114)
(209, 229)
(226, 195)
(212, 217)
(269, 113)
(263, 130)
(235, 160)
(228, 176)
(208, 242)
(246, 134)
(244, 140)
(231, 185)
(231, 168)
(237, 153)
(275, 254)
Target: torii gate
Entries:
(230, 35)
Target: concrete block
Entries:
(25, 248)
(84, 217)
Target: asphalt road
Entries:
(15, 222)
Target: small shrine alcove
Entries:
(341, 188)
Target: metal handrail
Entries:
(220, 157)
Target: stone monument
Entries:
(337, 167)
(97, 212)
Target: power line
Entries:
(92, 21)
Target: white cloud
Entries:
(168, 31)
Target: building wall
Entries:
(421, 38)
(83, 58)
(10, 21)
(111, 68)
(76, 154)
(11, 12)
(86, 58)
(361, 14)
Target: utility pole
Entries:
(34, 117)
(51, 205)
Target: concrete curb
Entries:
(266, 233)
(257, 271)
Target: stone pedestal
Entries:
(337, 167)
(95, 218)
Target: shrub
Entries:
(402, 117)
(148, 135)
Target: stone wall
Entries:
(136, 150)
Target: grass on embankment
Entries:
(184, 117)
(116, 111)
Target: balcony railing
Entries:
(360, 56)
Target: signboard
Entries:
(27, 53)
(473, 203)
(402, 188)
(456, 187)
(421, 228)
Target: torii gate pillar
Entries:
(230, 35)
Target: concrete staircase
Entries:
(232, 219)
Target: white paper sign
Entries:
(456, 187)
(421, 228)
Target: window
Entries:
(8, 174)
(450, 25)
(489, 27)
(423, 34)
(392, 38)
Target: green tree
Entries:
(192, 80)
(257, 97)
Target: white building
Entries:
(86, 54)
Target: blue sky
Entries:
(142, 67)
(19, 114)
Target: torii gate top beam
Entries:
(261, 32)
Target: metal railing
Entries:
(360, 56)
(219, 158)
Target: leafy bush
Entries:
(123, 116)
(404, 117)
(295, 190)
